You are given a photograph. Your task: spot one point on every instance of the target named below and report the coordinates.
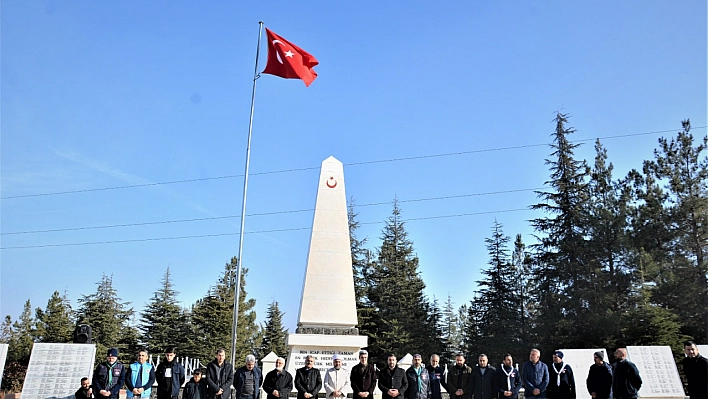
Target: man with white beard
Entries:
(278, 382)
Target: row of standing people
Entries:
(621, 381)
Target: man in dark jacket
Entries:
(219, 376)
(248, 380)
(436, 374)
(508, 379)
(109, 376)
(534, 375)
(170, 376)
(85, 392)
(599, 380)
(626, 380)
(392, 380)
(459, 379)
(696, 368)
(561, 381)
(418, 380)
(308, 380)
(196, 388)
(363, 377)
(483, 379)
(278, 383)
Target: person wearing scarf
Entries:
(561, 383)
(508, 379)
(483, 379)
(418, 380)
(170, 375)
(109, 376)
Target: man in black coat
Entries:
(561, 381)
(278, 383)
(483, 379)
(508, 379)
(599, 380)
(220, 377)
(696, 368)
(392, 380)
(308, 380)
(626, 380)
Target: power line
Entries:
(260, 214)
(248, 232)
(346, 164)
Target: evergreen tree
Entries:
(562, 269)
(163, 322)
(523, 263)
(499, 300)
(22, 336)
(55, 323)
(451, 332)
(274, 334)
(685, 170)
(108, 317)
(361, 268)
(611, 270)
(396, 293)
(212, 317)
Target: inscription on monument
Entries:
(55, 370)
(658, 370)
(323, 357)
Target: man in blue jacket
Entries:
(139, 377)
(170, 375)
(508, 379)
(248, 380)
(535, 376)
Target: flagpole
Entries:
(243, 205)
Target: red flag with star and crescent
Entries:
(288, 60)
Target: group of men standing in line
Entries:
(619, 381)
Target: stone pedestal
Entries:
(327, 319)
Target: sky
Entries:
(135, 115)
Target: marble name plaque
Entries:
(55, 370)
(658, 371)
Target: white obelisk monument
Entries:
(327, 320)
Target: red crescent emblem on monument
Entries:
(331, 183)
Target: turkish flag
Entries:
(288, 60)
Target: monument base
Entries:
(322, 347)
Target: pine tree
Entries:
(499, 300)
(55, 323)
(609, 255)
(523, 262)
(685, 169)
(108, 317)
(562, 269)
(451, 333)
(212, 317)
(163, 321)
(361, 268)
(22, 336)
(274, 334)
(396, 293)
